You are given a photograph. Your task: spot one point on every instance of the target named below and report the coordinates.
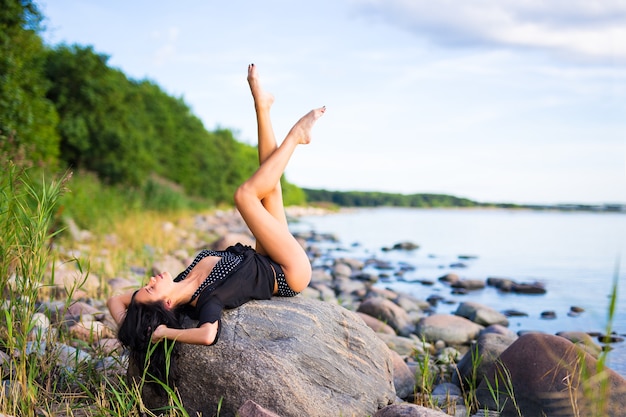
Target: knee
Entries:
(242, 194)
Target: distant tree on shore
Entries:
(377, 199)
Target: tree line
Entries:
(65, 107)
(376, 199)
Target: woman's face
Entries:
(158, 288)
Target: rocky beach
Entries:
(361, 349)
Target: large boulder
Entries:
(549, 375)
(292, 356)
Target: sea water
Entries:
(576, 255)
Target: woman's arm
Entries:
(118, 304)
(203, 335)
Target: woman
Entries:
(224, 279)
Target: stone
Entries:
(389, 312)
(341, 270)
(409, 410)
(70, 278)
(293, 356)
(403, 378)
(529, 288)
(377, 325)
(469, 284)
(168, 263)
(454, 330)
(480, 358)
(450, 278)
(481, 314)
(405, 346)
(584, 340)
(230, 239)
(549, 375)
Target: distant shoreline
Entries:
(361, 199)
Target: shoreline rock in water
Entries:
(447, 351)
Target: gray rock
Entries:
(469, 284)
(409, 410)
(403, 377)
(499, 329)
(354, 264)
(480, 358)
(377, 325)
(481, 314)
(229, 239)
(411, 304)
(405, 346)
(168, 263)
(389, 312)
(293, 356)
(584, 340)
(341, 270)
(453, 330)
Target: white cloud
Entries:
(168, 39)
(584, 30)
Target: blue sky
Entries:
(493, 100)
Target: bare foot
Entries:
(302, 129)
(261, 97)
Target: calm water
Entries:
(576, 255)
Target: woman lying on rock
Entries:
(225, 279)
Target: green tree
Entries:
(27, 119)
(99, 125)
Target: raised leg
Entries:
(274, 235)
(263, 101)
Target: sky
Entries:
(493, 100)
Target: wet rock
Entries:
(610, 338)
(548, 315)
(529, 288)
(584, 340)
(502, 284)
(405, 246)
(481, 314)
(469, 284)
(514, 313)
(449, 278)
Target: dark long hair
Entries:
(135, 334)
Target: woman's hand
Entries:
(159, 333)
